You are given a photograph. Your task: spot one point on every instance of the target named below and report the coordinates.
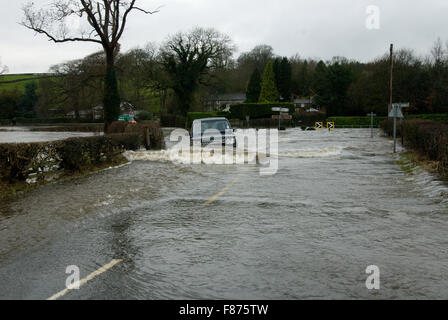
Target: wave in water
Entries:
(226, 158)
(313, 153)
(192, 157)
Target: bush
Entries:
(117, 127)
(310, 118)
(355, 121)
(224, 114)
(258, 110)
(80, 153)
(150, 132)
(441, 118)
(5, 122)
(427, 137)
(144, 116)
(17, 160)
(156, 136)
(173, 121)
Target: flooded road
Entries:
(338, 203)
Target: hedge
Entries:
(173, 121)
(365, 121)
(258, 110)
(79, 153)
(437, 117)
(19, 162)
(309, 119)
(355, 121)
(150, 132)
(426, 137)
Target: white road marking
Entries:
(88, 278)
(219, 194)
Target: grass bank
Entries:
(427, 142)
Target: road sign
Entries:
(396, 112)
(401, 105)
(319, 125)
(280, 109)
(330, 126)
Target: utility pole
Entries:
(391, 77)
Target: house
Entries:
(224, 101)
(305, 104)
(97, 113)
(83, 114)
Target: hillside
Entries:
(12, 81)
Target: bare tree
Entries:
(187, 57)
(96, 21)
(3, 69)
(438, 53)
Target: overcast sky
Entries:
(311, 28)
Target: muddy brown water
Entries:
(338, 203)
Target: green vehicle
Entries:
(126, 118)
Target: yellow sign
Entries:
(319, 125)
(330, 125)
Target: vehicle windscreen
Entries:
(220, 125)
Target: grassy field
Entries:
(19, 85)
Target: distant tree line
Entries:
(185, 71)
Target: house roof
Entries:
(306, 101)
(231, 97)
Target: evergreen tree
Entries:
(320, 85)
(111, 100)
(276, 66)
(269, 91)
(340, 77)
(28, 101)
(304, 85)
(254, 87)
(284, 79)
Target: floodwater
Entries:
(24, 135)
(338, 204)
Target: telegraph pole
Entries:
(391, 77)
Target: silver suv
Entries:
(213, 131)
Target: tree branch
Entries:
(56, 40)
